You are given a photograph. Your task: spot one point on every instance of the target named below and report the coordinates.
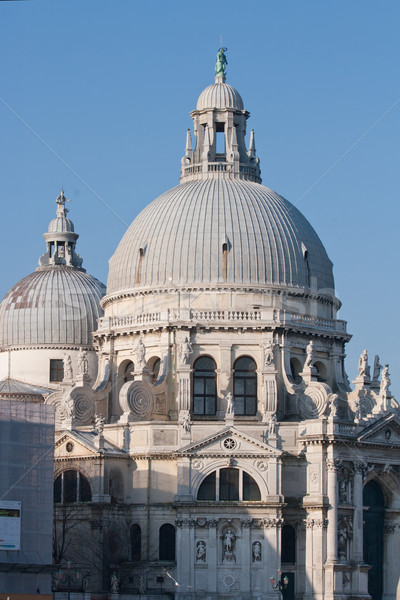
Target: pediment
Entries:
(385, 431)
(229, 440)
(74, 444)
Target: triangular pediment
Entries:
(229, 440)
(384, 431)
(76, 444)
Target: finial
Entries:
(220, 66)
(188, 141)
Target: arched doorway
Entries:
(374, 507)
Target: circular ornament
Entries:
(83, 407)
(229, 444)
(388, 434)
(69, 446)
(139, 400)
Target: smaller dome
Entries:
(52, 306)
(219, 95)
(61, 225)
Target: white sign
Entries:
(10, 525)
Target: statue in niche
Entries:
(114, 583)
(309, 355)
(228, 546)
(185, 350)
(99, 424)
(377, 369)
(269, 359)
(61, 253)
(67, 365)
(229, 404)
(139, 352)
(385, 382)
(201, 551)
(343, 491)
(363, 367)
(82, 361)
(256, 552)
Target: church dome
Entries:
(59, 303)
(220, 231)
(54, 305)
(219, 95)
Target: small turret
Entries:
(61, 239)
(220, 129)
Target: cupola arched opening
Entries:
(229, 485)
(71, 486)
(204, 386)
(245, 386)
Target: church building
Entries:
(208, 442)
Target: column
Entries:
(331, 466)
(212, 555)
(358, 514)
(245, 585)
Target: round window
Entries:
(229, 444)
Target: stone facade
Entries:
(217, 440)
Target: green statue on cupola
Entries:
(220, 66)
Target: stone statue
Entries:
(141, 584)
(228, 543)
(185, 350)
(67, 364)
(256, 552)
(334, 407)
(61, 200)
(220, 67)
(269, 359)
(99, 424)
(69, 408)
(377, 369)
(385, 382)
(186, 424)
(272, 424)
(201, 551)
(343, 491)
(342, 542)
(363, 367)
(114, 583)
(309, 354)
(83, 364)
(139, 352)
(229, 404)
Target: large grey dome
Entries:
(219, 231)
(54, 305)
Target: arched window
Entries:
(136, 543)
(245, 386)
(204, 386)
(167, 542)
(71, 486)
(288, 544)
(229, 485)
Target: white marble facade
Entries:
(216, 438)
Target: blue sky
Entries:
(95, 96)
